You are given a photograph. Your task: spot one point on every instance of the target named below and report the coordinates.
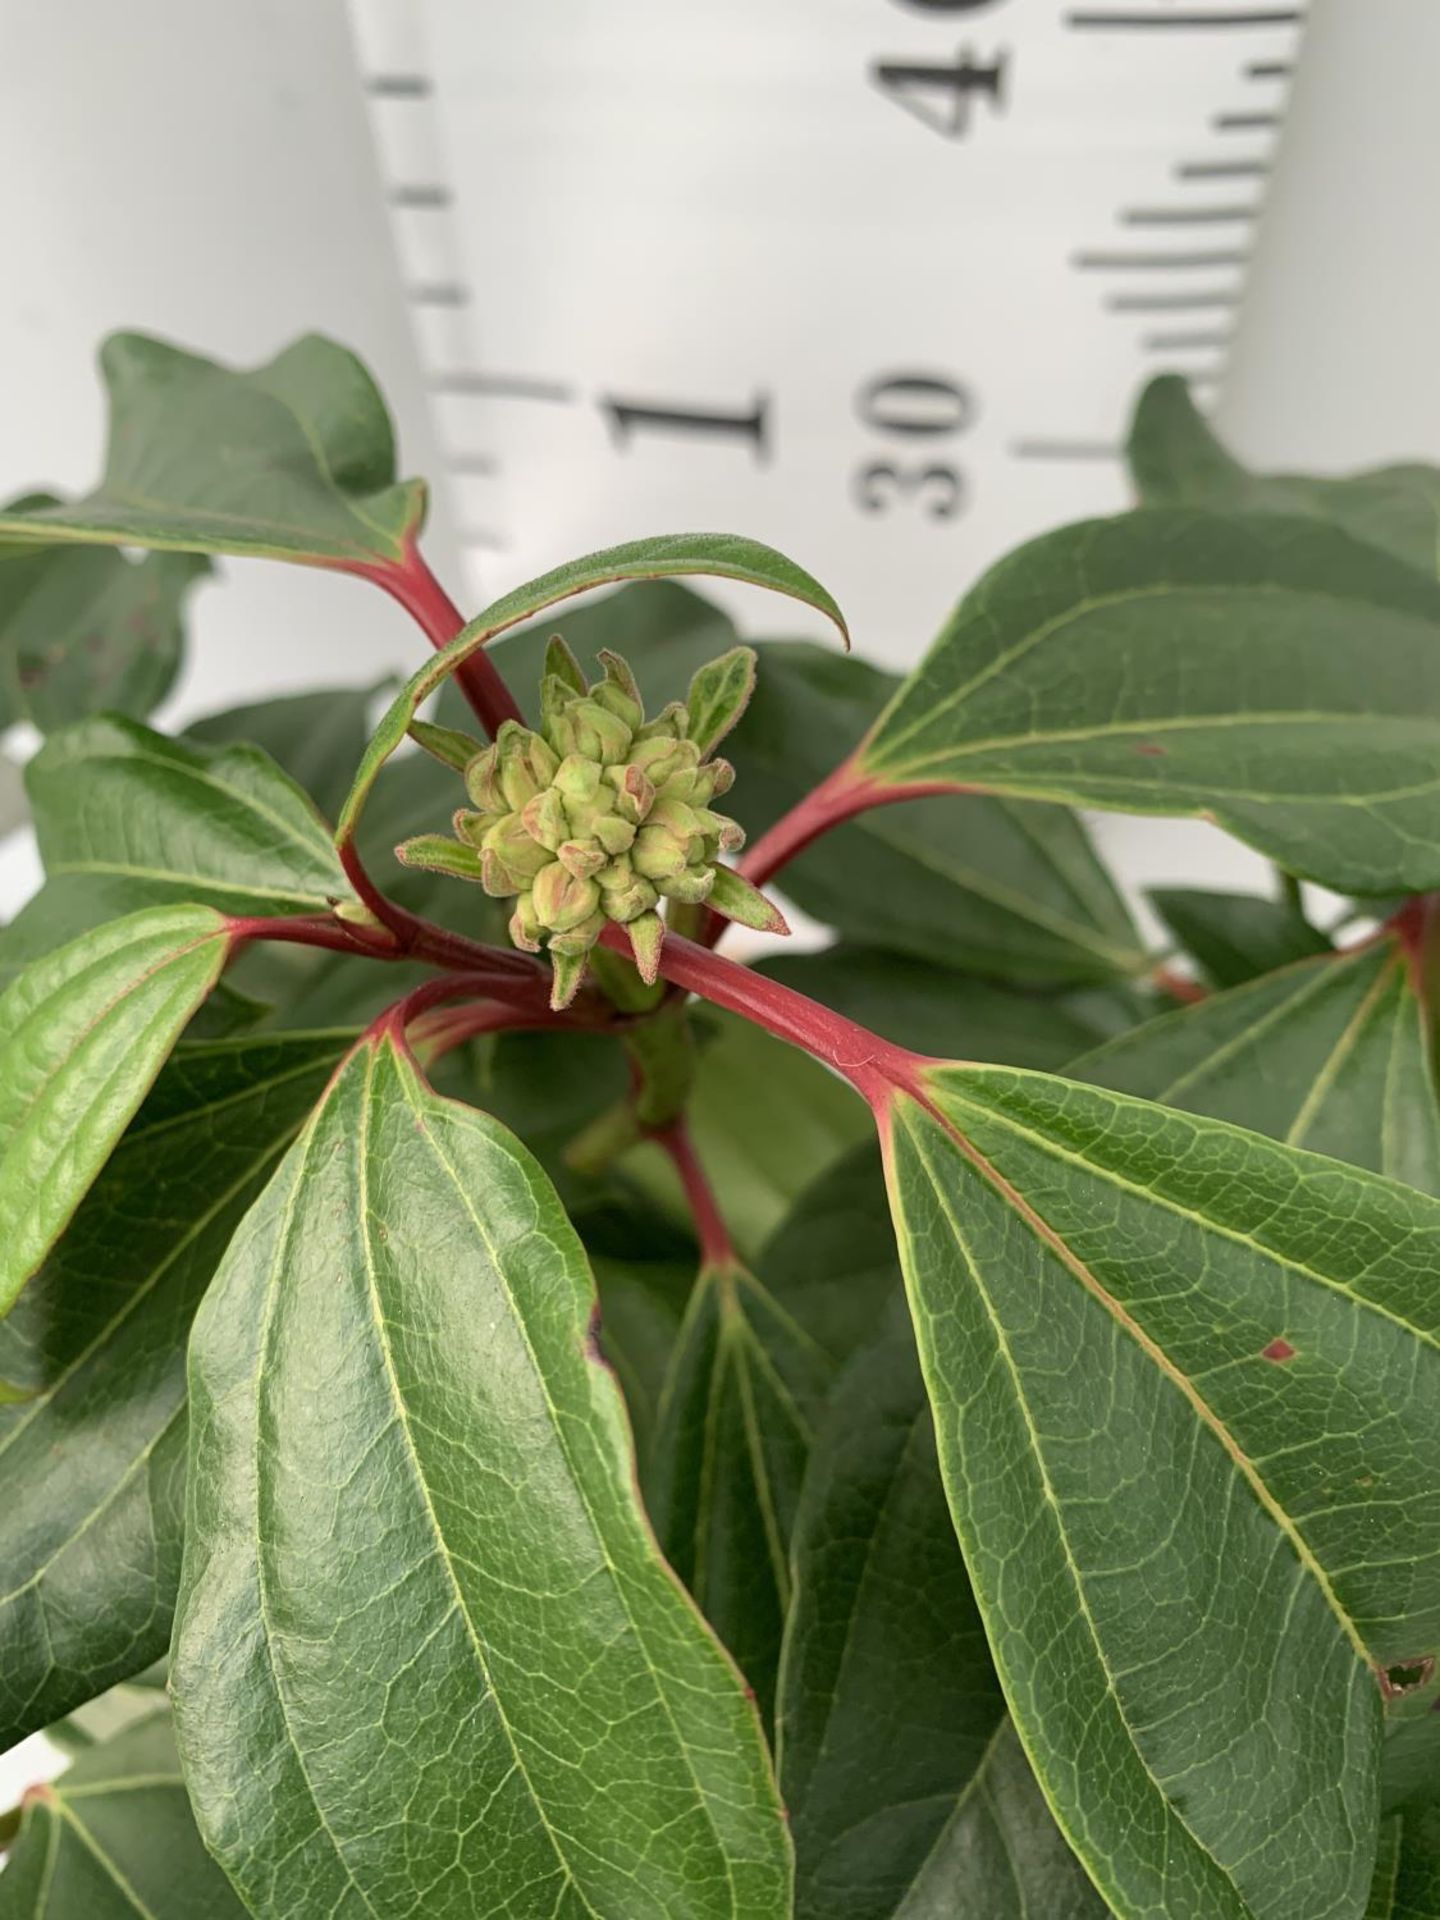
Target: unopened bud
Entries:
(519, 850)
(579, 939)
(587, 728)
(525, 928)
(482, 782)
(581, 857)
(473, 827)
(562, 900)
(634, 794)
(546, 819)
(624, 894)
(690, 887)
(527, 763)
(672, 723)
(618, 693)
(659, 854)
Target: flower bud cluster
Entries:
(600, 815)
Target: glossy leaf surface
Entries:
(1177, 460)
(992, 886)
(1132, 1321)
(83, 1034)
(722, 555)
(1275, 674)
(294, 459)
(1332, 1054)
(84, 629)
(427, 1655)
(317, 738)
(113, 1839)
(122, 805)
(92, 1454)
(1235, 937)
(1407, 1876)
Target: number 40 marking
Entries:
(941, 96)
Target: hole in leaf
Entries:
(1278, 1350)
(1407, 1676)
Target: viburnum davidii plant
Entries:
(945, 1425)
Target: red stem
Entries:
(313, 930)
(716, 1247)
(872, 1065)
(413, 584)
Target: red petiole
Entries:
(413, 584)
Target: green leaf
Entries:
(1185, 1392)
(294, 460)
(1176, 460)
(428, 1657)
(1273, 674)
(1331, 1054)
(317, 738)
(1235, 937)
(997, 887)
(124, 806)
(719, 695)
(766, 1121)
(726, 556)
(93, 1456)
(83, 1034)
(733, 1430)
(746, 1382)
(86, 628)
(1407, 1876)
(888, 1699)
(932, 1010)
(113, 1839)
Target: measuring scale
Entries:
(876, 281)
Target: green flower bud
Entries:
(658, 854)
(587, 728)
(690, 886)
(582, 857)
(661, 759)
(579, 939)
(720, 830)
(614, 834)
(518, 850)
(716, 775)
(623, 893)
(482, 782)
(563, 900)
(634, 794)
(546, 819)
(617, 692)
(683, 822)
(473, 827)
(671, 724)
(527, 763)
(525, 928)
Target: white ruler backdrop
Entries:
(874, 280)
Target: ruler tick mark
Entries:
(439, 293)
(420, 194)
(1157, 261)
(398, 86)
(1269, 70)
(1244, 122)
(1169, 302)
(1222, 169)
(1185, 216)
(503, 386)
(1178, 342)
(1063, 450)
(1250, 17)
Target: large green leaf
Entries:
(1186, 1386)
(989, 885)
(1331, 1054)
(120, 804)
(1407, 1875)
(1274, 674)
(722, 555)
(1235, 937)
(92, 1456)
(934, 1010)
(1177, 460)
(734, 1427)
(294, 459)
(85, 628)
(83, 1033)
(317, 738)
(909, 1796)
(746, 1381)
(113, 1839)
(428, 1657)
